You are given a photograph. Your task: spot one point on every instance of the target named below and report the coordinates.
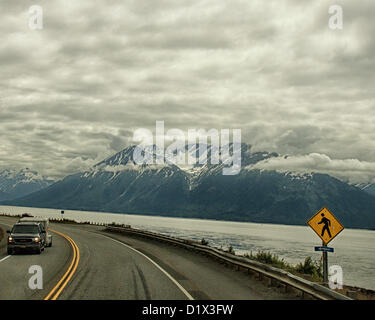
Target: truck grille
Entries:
(23, 240)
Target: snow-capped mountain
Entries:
(367, 187)
(118, 184)
(18, 183)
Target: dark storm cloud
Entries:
(72, 93)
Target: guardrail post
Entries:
(269, 282)
(260, 276)
(287, 288)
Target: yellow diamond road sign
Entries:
(325, 225)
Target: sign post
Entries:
(325, 265)
(327, 227)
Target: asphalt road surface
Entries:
(113, 266)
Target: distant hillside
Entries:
(15, 184)
(117, 184)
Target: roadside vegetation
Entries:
(231, 250)
(309, 267)
(204, 242)
(119, 225)
(67, 221)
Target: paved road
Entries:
(14, 270)
(122, 267)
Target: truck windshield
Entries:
(25, 229)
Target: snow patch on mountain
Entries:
(347, 170)
(18, 183)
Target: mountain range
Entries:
(118, 184)
(18, 183)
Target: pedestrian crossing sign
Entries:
(325, 225)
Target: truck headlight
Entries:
(36, 239)
(10, 239)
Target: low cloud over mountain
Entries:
(73, 93)
(351, 170)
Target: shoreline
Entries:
(151, 215)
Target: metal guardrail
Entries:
(274, 274)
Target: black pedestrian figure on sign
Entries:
(327, 224)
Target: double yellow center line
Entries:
(56, 291)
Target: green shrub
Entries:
(231, 250)
(204, 242)
(308, 267)
(269, 258)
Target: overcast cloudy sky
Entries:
(72, 93)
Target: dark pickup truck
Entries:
(27, 236)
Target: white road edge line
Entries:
(4, 258)
(9, 225)
(156, 265)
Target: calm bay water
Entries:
(354, 249)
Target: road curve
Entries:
(57, 290)
(115, 266)
(110, 270)
(14, 270)
(107, 269)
